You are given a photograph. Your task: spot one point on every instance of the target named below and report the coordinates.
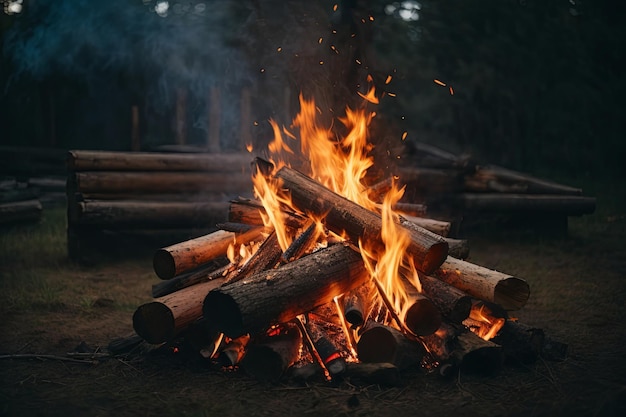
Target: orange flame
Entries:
(341, 164)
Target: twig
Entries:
(38, 356)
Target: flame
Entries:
(341, 164)
(483, 321)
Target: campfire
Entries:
(328, 272)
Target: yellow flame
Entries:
(341, 164)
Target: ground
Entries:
(50, 306)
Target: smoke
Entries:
(156, 46)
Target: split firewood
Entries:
(266, 257)
(164, 318)
(343, 216)
(185, 256)
(279, 295)
(379, 343)
(269, 356)
(510, 292)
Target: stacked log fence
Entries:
(158, 197)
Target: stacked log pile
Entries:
(19, 203)
(164, 196)
(255, 315)
(459, 189)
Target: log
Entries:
(328, 352)
(248, 211)
(571, 205)
(216, 268)
(144, 214)
(357, 303)
(436, 226)
(522, 344)
(457, 348)
(450, 301)
(279, 295)
(159, 182)
(84, 160)
(164, 318)
(493, 178)
(425, 155)
(301, 244)
(20, 211)
(266, 257)
(268, 357)
(411, 209)
(419, 314)
(510, 292)
(458, 248)
(379, 343)
(344, 216)
(185, 256)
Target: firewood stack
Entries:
(164, 196)
(256, 315)
(18, 202)
(458, 188)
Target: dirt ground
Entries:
(51, 306)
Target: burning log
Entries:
(379, 343)
(324, 349)
(164, 318)
(84, 160)
(268, 357)
(344, 216)
(509, 292)
(266, 257)
(301, 244)
(233, 351)
(279, 295)
(455, 347)
(419, 314)
(357, 303)
(185, 256)
(450, 301)
(247, 211)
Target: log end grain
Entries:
(422, 317)
(434, 257)
(154, 322)
(511, 293)
(164, 264)
(377, 345)
(222, 312)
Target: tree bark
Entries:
(279, 295)
(341, 215)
